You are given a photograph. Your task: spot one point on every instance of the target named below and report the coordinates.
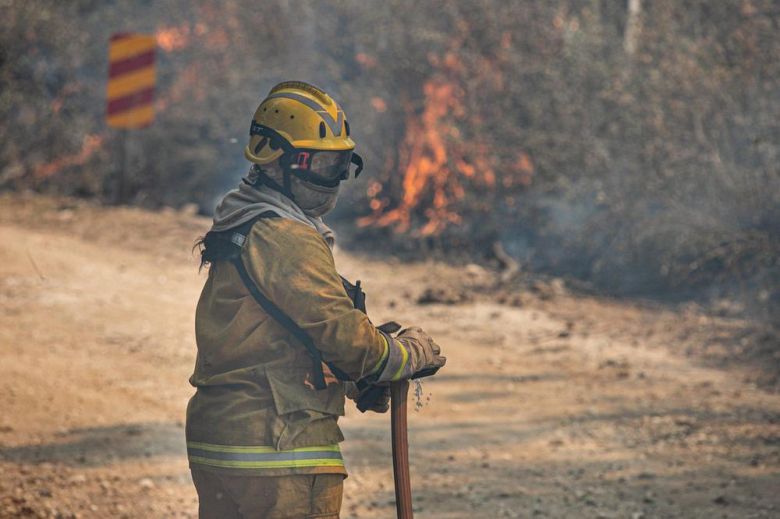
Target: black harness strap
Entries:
(231, 250)
(283, 319)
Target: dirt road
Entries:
(567, 406)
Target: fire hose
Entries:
(399, 392)
(403, 485)
(400, 439)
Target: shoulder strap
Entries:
(285, 320)
(226, 245)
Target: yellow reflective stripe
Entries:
(382, 359)
(258, 449)
(404, 359)
(263, 456)
(268, 464)
(129, 47)
(132, 82)
(132, 118)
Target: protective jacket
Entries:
(256, 410)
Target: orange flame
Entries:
(433, 160)
(525, 169)
(58, 102)
(173, 38)
(378, 104)
(437, 162)
(188, 82)
(91, 144)
(179, 37)
(364, 60)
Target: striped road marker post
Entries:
(131, 78)
(129, 94)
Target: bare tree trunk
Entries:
(509, 265)
(633, 27)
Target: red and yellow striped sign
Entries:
(131, 77)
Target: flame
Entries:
(378, 104)
(59, 101)
(426, 154)
(434, 160)
(365, 61)
(89, 146)
(524, 169)
(188, 82)
(179, 37)
(439, 164)
(170, 39)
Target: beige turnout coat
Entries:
(255, 409)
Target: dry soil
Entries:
(564, 406)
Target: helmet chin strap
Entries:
(263, 179)
(275, 141)
(286, 178)
(357, 160)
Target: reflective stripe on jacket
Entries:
(263, 457)
(252, 378)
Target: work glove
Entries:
(411, 354)
(370, 398)
(367, 395)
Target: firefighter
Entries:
(281, 336)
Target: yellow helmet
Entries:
(307, 130)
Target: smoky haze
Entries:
(633, 145)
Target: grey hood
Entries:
(246, 202)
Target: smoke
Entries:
(641, 160)
(722, 242)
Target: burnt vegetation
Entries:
(631, 144)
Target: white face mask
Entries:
(314, 200)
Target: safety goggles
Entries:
(322, 167)
(325, 168)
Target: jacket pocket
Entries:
(306, 416)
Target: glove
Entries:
(370, 398)
(412, 352)
(366, 394)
